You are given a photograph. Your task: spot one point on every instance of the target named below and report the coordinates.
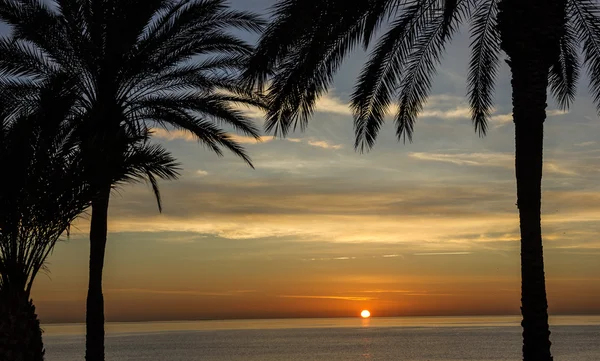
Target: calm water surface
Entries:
(410, 339)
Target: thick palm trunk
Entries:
(530, 32)
(20, 332)
(95, 299)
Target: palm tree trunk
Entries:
(529, 83)
(95, 299)
(20, 332)
(530, 33)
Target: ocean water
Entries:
(406, 339)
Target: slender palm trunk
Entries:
(20, 332)
(529, 101)
(530, 32)
(95, 299)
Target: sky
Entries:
(318, 230)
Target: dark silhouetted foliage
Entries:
(133, 65)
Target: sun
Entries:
(365, 314)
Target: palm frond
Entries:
(190, 28)
(483, 65)
(20, 58)
(36, 22)
(564, 73)
(149, 162)
(420, 66)
(292, 19)
(450, 10)
(585, 19)
(46, 190)
(205, 132)
(216, 106)
(379, 78)
(308, 69)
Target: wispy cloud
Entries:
(472, 159)
(584, 144)
(456, 113)
(332, 104)
(242, 139)
(329, 259)
(179, 292)
(324, 144)
(409, 292)
(499, 120)
(177, 134)
(490, 159)
(556, 112)
(318, 143)
(345, 298)
(442, 253)
(172, 135)
(201, 173)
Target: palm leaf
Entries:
(564, 73)
(483, 66)
(379, 78)
(585, 18)
(419, 69)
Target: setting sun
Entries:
(365, 314)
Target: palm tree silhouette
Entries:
(304, 46)
(134, 64)
(41, 194)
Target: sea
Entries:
(574, 338)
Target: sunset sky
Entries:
(318, 230)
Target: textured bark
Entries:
(20, 332)
(95, 299)
(530, 32)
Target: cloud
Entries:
(201, 173)
(491, 159)
(468, 218)
(329, 103)
(344, 298)
(324, 144)
(584, 144)
(242, 139)
(442, 253)
(502, 119)
(321, 211)
(505, 160)
(173, 135)
(556, 112)
(180, 292)
(456, 113)
(177, 134)
(436, 106)
(444, 100)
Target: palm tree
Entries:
(135, 64)
(303, 47)
(41, 195)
